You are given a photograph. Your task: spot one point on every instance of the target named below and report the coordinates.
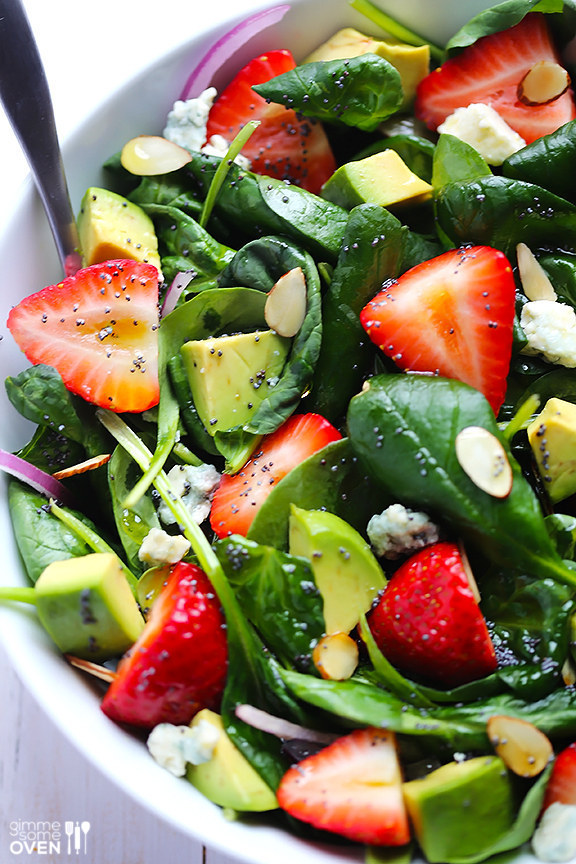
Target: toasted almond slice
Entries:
(94, 669)
(82, 467)
(543, 83)
(535, 282)
(468, 570)
(520, 745)
(336, 656)
(147, 155)
(285, 307)
(569, 673)
(483, 458)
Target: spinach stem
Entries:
(394, 28)
(21, 595)
(522, 417)
(223, 169)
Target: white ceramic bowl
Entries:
(28, 263)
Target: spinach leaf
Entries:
(547, 162)
(358, 91)
(497, 211)
(498, 18)
(259, 265)
(132, 524)
(562, 529)
(278, 595)
(403, 430)
(330, 479)
(38, 393)
(180, 235)
(461, 726)
(40, 536)
(455, 161)
(558, 382)
(372, 249)
(270, 206)
(560, 267)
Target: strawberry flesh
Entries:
(561, 786)
(428, 623)
(98, 328)
(452, 315)
(490, 71)
(178, 665)
(353, 787)
(285, 145)
(239, 496)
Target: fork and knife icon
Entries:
(76, 831)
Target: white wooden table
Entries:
(42, 777)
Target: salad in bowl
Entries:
(295, 491)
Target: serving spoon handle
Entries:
(26, 98)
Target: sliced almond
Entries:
(93, 669)
(82, 467)
(147, 155)
(569, 673)
(335, 656)
(543, 83)
(522, 747)
(535, 283)
(483, 458)
(285, 307)
(468, 570)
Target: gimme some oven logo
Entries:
(48, 838)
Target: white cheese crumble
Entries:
(173, 747)
(484, 129)
(186, 126)
(186, 122)
(195, 485)
(158, 548)
(398, 531)
(555, 836)
(550, 328)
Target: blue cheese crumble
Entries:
(194, 485)
(159, 548)
(484, 129)
(398, 531)
(550, 328)
(555, 837)
(173, 747)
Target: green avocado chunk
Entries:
(227, 778)
(231, 375)
(383, 179)
(552, 437)
(87, 607)
(461, 808)
(346, 572)
(110, 227)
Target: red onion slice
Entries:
(279, 727)
(34, 477)
(202, 76)
(179, 283)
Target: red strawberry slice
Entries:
(353, 787)
(178, 664)
(98, 328)
(561, 786)
(428, 622)
(285, 145)
(453, 316)
(239, 496)
(490, 71)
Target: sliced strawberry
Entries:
(353, 787)
(178, 665)
(490, 71)
(98, 328)
(561, 786)
(285, 145)
(239, 496)
(453, 316)
(428, 622)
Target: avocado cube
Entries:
(461, 809)
(346, 573)
(87, 607)
(552, 437)
(110, 226)
(383, 179)
(230, 376)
